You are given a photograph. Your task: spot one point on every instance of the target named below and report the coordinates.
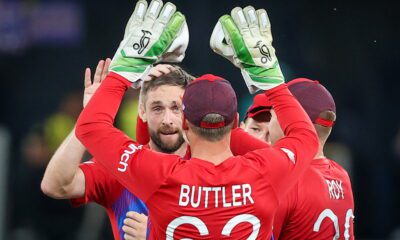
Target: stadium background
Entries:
(352, 47)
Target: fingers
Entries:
(140, 10)
(166, 13)
(130, 227)
(137, 16)
(138, 217)
(152, 13)
(105, 69)
(240, 21)
(98, 73)
(130, 233)
(158, 71)
(88, 80)
(135, 226)
(252, 20)
(219, 44)
(234, 37)
(264, 23)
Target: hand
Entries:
(135, 226)
(248, 45)
(152, 35)
(158, 71)
(99, 75)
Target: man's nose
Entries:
(167, 119)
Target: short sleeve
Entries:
(100, 186)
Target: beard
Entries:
(166, 146)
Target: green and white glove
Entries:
(153, 34)
(245, 39)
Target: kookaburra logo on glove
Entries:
(265, 52)
(155, 32)
(144, 42)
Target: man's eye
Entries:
(157, 109)
(175, 108)
(255, 129)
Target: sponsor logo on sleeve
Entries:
(132, 148)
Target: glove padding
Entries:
(245, 39)
(153, 34)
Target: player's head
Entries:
(318, 104)
(257, 118)
(160, 106)
(209, 107)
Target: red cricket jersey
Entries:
(320, 206)
(103, 188)
(194, 198)
(291, 220)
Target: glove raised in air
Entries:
(153, 34)
(245, 39)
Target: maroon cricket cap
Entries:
(260, 105)
(209, 94)
(314, 98)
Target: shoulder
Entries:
(339, 170)
(96, 174)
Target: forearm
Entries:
(299, 144)
(63, 169)
(95, 126)
(295, 123)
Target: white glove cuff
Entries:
(135, 78)
(255, 86)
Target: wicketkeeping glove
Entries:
(153, 34)
(245, 39)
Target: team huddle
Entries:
(193, 171)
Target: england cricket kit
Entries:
(104, 189)
(320, 206)
(194, 198)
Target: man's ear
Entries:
(236, 121)
(142, 112)
(242, 125)
(185, 125)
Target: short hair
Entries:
(212, 134)
(177, 77)
(322, 131)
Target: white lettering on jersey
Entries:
(194, 195)
(216, 190)
(335, 189)
(126, 155)
(290, 154)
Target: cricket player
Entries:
(66, 178)
(213, 195)
(321, 205)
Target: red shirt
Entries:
(104, 189)
(320, 206)
(236, 199)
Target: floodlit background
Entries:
(351, 47)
